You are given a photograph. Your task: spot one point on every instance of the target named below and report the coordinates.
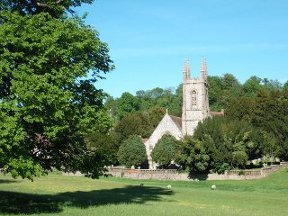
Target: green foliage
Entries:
(222, 90)
(271, 116)
(165, 150)
(252, 86)
(132, 152)
(105, 144)
(220, 168)
(48, 100)
(267, 113)
(228, 141)
(127, 103)
(192, 156)
(241, 108)
(270, 146)
(55, 8)
(157, 98)
(140, 123)
(285, 86)
(239, 158)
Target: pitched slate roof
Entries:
(177, 121)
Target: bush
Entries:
(221, 168)
(132, 152)
(164, 150)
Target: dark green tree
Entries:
(132, 152)
(243, 107)
(134, 124)
(164, 151)
(227, 141)
(271, 116)
(141, 123)
(104, 144)
(192, 156)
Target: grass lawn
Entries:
(67, 195)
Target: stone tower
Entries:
(195, 98)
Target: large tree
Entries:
(228, 141)
(191, 155)
(48, 100)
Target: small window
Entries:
(194, 98)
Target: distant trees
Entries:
(221, 90)
(254, 126)
(140, 123)
(156, 98)
(126, 104)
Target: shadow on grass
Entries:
(7, 181)
(200, 177)
(22, 203)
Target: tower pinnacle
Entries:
(195, 107)
(186, 70)
(203, 69)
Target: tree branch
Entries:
(44, 5)
(58, 1)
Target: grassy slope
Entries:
(62, 195)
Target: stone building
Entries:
(195, 108)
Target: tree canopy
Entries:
(48, 98)
(132, 152)
(164, 151)
(55, 8)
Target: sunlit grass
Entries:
(71, 195)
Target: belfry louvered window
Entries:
(194, 99)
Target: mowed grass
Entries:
(71, 195)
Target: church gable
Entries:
(168, 125)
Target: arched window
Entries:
(194, 99)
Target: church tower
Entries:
(195, 98)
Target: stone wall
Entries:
(147, 174)
(174, 175)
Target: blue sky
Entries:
(149, 40)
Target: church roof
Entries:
(177, 121)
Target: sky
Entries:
(149, 40)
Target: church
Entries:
(195, 108)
